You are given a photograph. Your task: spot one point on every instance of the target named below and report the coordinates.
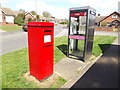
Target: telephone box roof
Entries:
(85, 7)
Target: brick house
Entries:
(29, 15)
(17, 12)
(49, 19)
(6, 15)
(108, 23)
(109, 19)
(98, 19)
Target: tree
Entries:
(22, 10)
(19, 19)
(33, 12)
(103, 24)
(52, 17)
(29, 19)
(22, 15)
(38, 17)
(46, 14)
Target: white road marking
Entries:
(61, 33)
(2, 30)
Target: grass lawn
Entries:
(101, 43)
(10, 27)
(15, 64)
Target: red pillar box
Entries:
(40, 47)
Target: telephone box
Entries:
(81, 32)
(40, 47)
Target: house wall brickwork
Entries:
(3, 18)
(107, 28)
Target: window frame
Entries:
(114, 16)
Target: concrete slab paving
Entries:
(68, 67)
(83, 68)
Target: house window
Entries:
(108, 24)
(114, 16)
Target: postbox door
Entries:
(47, 53)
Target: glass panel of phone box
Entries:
(77, 35)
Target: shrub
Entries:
(38, 17)
(46, 14)
(103, 24)
(29, 19)
(21, 24)
(63, 22)
(19, 20)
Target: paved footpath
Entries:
(104, 73)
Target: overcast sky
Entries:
(60, 8)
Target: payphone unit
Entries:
(81, 32)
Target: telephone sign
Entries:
(76, 14)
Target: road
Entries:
(13, 42)
(16, 40)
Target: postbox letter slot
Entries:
(47, 45)
(47, 31)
